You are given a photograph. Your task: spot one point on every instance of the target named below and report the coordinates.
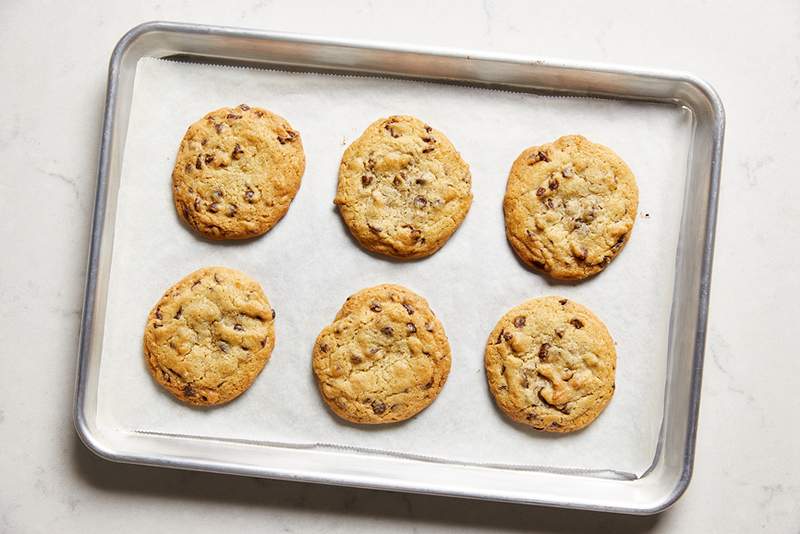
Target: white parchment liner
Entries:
(308, 265)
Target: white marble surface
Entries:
(52, 76)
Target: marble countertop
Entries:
(53, 69)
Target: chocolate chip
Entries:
(429, 149)
(288, 138)
(397, 181)
(259, 113)
(356, 359)
(237, 151)
(223, 346)
(203, 142)
(218, 127)
(217, 194)
(373, 350)
(420, 202)
(519, 321)
(187, 168)
(568, 172)
(619, 243)
(388, 128)
(507, 336)
(179, 313)
(196, 203)
(581, 254)
(217, 279)
(549, 203)
(539, 156)
(541, 191)
(232, 210)
(233, 116)
(428, 128)
(323, 347)
(429, 385)
(415, 234)
(562, 301)
(238, 327)
(209, 158)
(538, 264)
(366, 180)
(553, 184)
(387, 330)
(214, 207)
(273, 313)
(577, 323)
(374, 229)
(412, 329)
(378, 407)
(559, 332)
(158, 314)
(248, 195)
(420, 181)
(244, 107)
(188, 391)
(198, 164)
(543, 351)
(429, 327)
(408, 308)
(428, 139)
(375, 307)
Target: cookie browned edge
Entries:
(355, 302)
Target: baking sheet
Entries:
(308, 265)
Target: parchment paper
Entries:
(308, 264)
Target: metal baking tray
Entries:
(668, 475)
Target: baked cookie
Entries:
(550, 364)
(384, 358)
(403, 188)
(209, 336)
(236, 173)
(569, 207)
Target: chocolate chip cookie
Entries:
(384, 359)
(569, 207)
(550, 364)
(236, 173)
(209, 336)
(403, 188)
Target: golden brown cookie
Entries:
(403, 188)
(569, 207)
(385, 357)
(236, 173)
(209, 336)
(550, 364)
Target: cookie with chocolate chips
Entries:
(237, 171)
(209, 336)
(550, 364)
(384, 358)
(403, 188)
(569, 207)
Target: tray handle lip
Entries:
(701, 87)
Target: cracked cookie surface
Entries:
(209, 336)
(236, 173)
(403, 188)
(569, 207)
(550, 364)
(384, 358)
